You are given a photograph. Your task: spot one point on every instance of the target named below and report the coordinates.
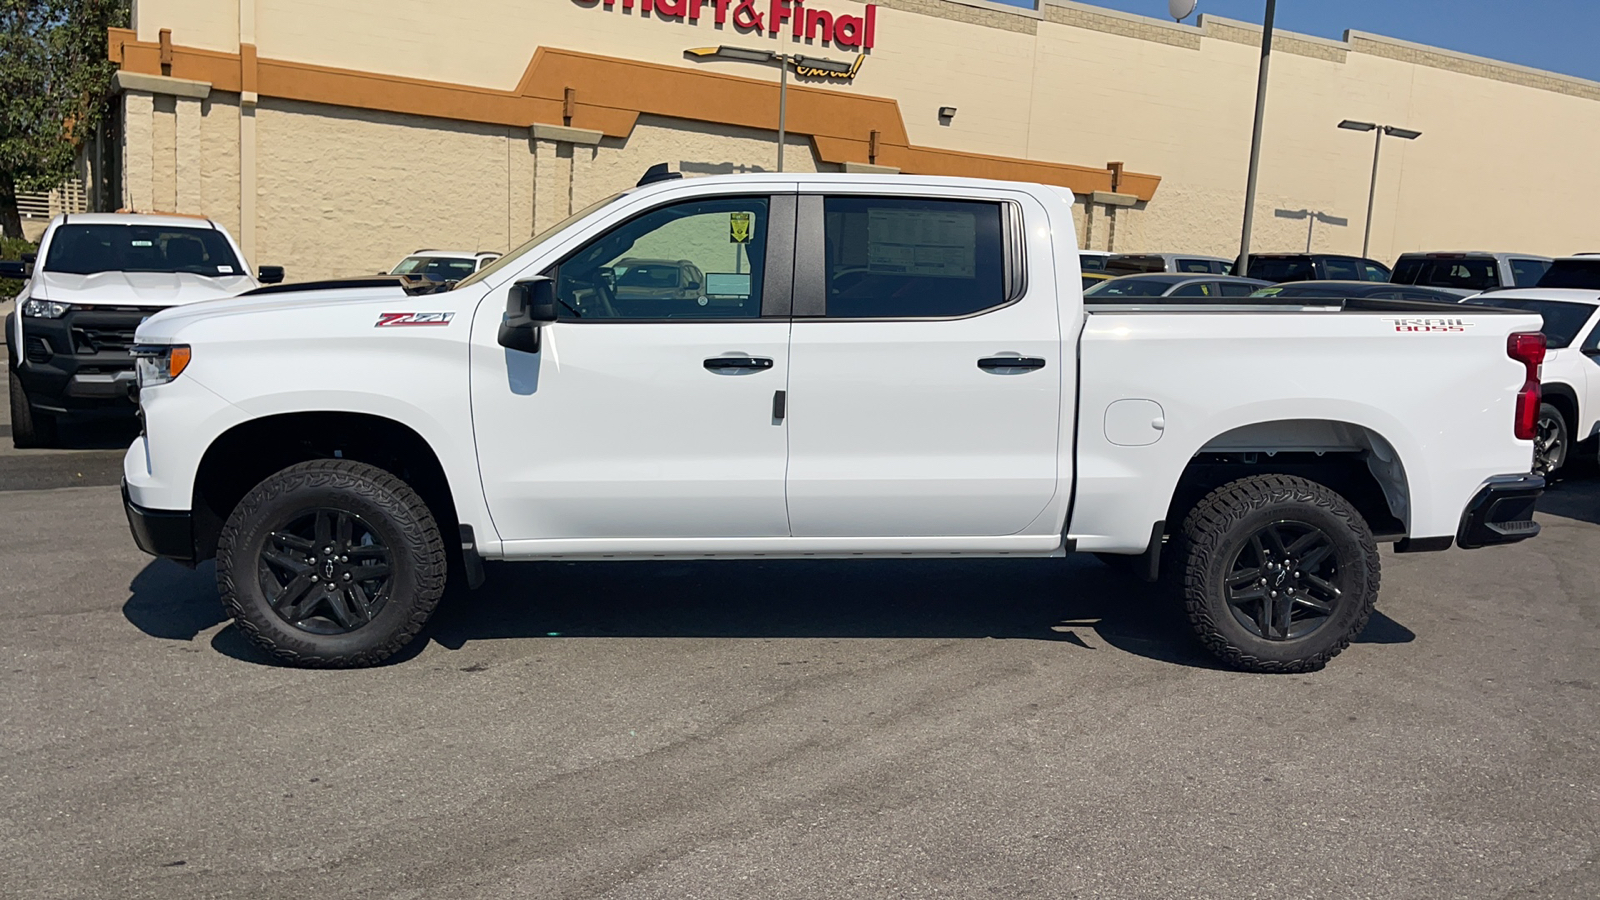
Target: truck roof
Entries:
(167, 220)
(806, 178)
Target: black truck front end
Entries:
(78, 362)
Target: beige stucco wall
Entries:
(1505, 161)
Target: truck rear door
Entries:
(926, 368)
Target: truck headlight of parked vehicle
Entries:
(45, 309)
(159, 364)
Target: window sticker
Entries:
(225, 270)
(144, 243)
(739, 228)
(922, 243)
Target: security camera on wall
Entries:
(1182, 9)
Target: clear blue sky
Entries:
(1558, 35)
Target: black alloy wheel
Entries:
(326, 571)
(1549, 441)
(1285, 582)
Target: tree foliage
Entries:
(54, 84)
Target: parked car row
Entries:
(1462, 274)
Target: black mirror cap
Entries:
(29, 259)
(11, 268)
(271, 275)
(530, 305)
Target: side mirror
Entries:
(271, 275)
(692, 286)
(530, 306)
(11, 268)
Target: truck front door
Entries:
(926, 366)
(649, 410)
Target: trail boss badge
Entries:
(387, 320)
(1435, 326)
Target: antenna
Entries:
(658, 172)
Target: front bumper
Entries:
(160, 532)
(1501, 513)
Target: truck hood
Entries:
(136, 288)
(165, 325)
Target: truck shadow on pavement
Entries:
(1077, 602)
(1574, 493)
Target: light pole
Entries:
(1255, 140)
(784, 61)
(1404, 134)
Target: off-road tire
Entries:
(1221, 525)
(382, 501)
(29, 427)
(1561, 449)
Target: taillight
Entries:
(1527, 348)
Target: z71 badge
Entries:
(386, 320)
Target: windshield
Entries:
(92, 249)
(1582, 274)
(436, 268)
(1562, 321)
(536, 240)
(1464, 273)
(1130, 287)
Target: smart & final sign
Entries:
(797, 17)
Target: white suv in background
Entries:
(1568, 415)
(443, 265)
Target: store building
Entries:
(336, 136)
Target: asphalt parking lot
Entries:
(769, 729)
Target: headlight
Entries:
(44, 309)
(160, 363)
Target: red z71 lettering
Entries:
(386, 320)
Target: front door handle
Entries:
(1023, 363)
(750, 363)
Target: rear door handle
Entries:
(1025, 363)
(726, 363)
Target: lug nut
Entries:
(347, 576)
(315, 578)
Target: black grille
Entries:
(38, 350)
(105, 329)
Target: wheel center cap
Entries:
(327, 569)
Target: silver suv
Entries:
(1470, 273)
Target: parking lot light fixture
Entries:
(784, 61)
(1394, 131)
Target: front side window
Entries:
(701, 259)
(1373, 271)
(1198, 289)
(1236, 289)
(892, 257)
(92, 249)
(1197, 266)
(1340, 268)
(1281, 268)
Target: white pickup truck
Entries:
(97, 276)
(874, 367)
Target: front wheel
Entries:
(331, 564)
(29, 426)
(1280, 573)
(1550, 441)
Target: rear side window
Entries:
(1280, 269)
(1197, 266)
(1092, 263)
(1374, 272)
(1235, 289)
(1527, 272)
(1462, 273)
(891, 257)
(1582, 274)
(1198, 289)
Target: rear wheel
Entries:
(29, 427)
(331, 563)
(1280, 573)
(1551, 441)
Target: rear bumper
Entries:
(160, 532)
(1501, 512)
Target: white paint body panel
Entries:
(615, 442)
